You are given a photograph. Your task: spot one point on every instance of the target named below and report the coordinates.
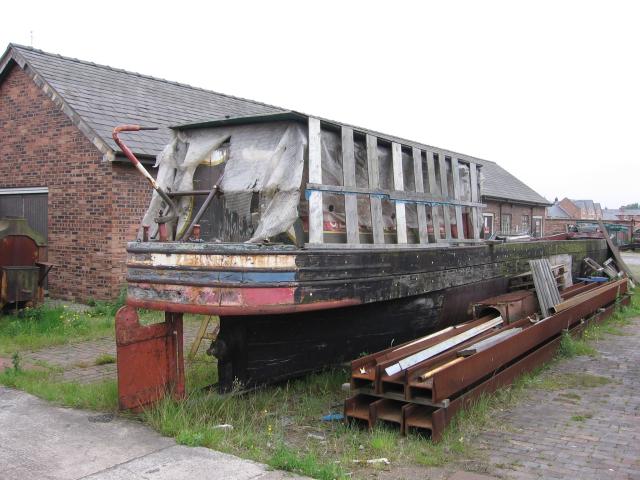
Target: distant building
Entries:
(567, 212)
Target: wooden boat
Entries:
(384, 243)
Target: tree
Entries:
(632, 206)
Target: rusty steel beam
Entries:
(443, 416)
(435, 418)
(459, 376)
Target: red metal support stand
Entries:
(150, 359)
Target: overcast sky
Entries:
(549, 90)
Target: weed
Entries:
(571, 347)
(286, 458)
(15, 361)
(105, 359)
(581, 418)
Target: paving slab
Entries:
(43, 441)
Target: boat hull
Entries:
(286, 311)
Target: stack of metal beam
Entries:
(421, 384)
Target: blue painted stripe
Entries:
(208, 276)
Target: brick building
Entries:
(60, 168)
(566, 212)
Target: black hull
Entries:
(255, 350)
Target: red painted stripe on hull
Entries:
(230, 301)
(226, 310)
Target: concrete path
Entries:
(41, 441)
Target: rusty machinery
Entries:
(23, 265)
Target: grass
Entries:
(44, 383)
(282, 427)
(581, 418)
(105, 359)
(35, 328)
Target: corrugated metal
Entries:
(33, 207)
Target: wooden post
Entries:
(316, 218)
(457, 194)
(435, 217)
(420, 207)
(349, 177)
(475, 214)
(377, 224)
(398, 184)
(444, 187)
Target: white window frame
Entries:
(492, 216)
(533, 221)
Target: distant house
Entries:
(60, 168)
(567, 212)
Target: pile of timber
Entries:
(421, 384)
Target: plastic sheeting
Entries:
(267, 159)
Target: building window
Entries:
(536, 229)
(526, 226)
(505, 227)
(487, 224)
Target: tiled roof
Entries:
(556, 211)
(498, 183)
(104, 97)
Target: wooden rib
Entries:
(349, 177)
(377, 224)
(457, 194)
(444, 187)
(398, 184)
(435, 217)
(422, 211)
(475, 214)
(316, 221)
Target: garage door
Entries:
(30, 203)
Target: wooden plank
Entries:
(349, 177)
(457, 194)
(435, 217)
(434, 350)
(398, 184)
(616, 254)
(422, 209)
(475, 213)
(316, 218)
(377, 223)
(444, 187)
(433, 371)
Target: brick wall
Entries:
(517, 213)
(557, 225)
(93, 205)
